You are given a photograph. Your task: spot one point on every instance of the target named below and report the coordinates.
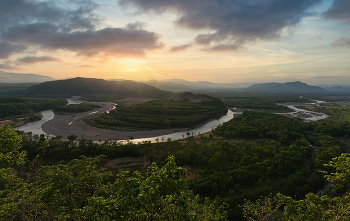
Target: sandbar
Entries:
(66, 125)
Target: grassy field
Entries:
(342, 113)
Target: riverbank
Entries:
(66, 125)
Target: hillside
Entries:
(92, 86)
(289, 87)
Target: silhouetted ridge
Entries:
(91, 86)
(289, 87)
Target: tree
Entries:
(313, 207)
(10, 143)
(341, 165)
(160, 195)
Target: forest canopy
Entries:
(183, 110)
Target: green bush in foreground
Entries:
(80, 190)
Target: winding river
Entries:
(36, 127)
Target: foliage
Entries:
(262, 209)
(82, 191)
(313, 207)
(76, 108)
(277, 155)
(256, 104)
(253, 125)
(12, 106)
(10, 144)
(160, 114)
(341, 164)
(161, 195)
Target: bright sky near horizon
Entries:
(222, 41)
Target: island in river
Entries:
(200, 105)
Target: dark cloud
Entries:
(340, 10)
(33, 59)
(341, 42)
(108, 41)
(74, 27)
(7, 67)
(226, 47)
(177, 48)
(7, 49)
(233, 21)
(80, 14)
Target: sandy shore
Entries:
(66, 125)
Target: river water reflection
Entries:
(35, 127)
(207, 127)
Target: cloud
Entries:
(177, 48)
(118, 42)
(327, 77)
(84, 66)
(77, 15)
(33, 59)
(232, 22)
(7, 49)
(341, 42)
(339, 11)
(226, 47)
(8, 67)
(44, 25)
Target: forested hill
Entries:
(92, 86)
(289, 87)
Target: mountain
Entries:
(182, 85)
(164, 85)
(6, 77)
(91, 86)
(289, 87)
(339, 89)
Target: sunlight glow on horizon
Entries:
(156, 47)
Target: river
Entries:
(36, 127)
(207, 127)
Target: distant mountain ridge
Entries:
(92, 86)
(288, 87)
(6, 77)
(182, 85)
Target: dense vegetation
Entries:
(81, 190)
(275, 157)
(12, 106)
(254, 156)
(91, 86)
(13, 89)
(259, 102)
(183, 110)
(313, 207)
(76, 108)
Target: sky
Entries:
(222, 41)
